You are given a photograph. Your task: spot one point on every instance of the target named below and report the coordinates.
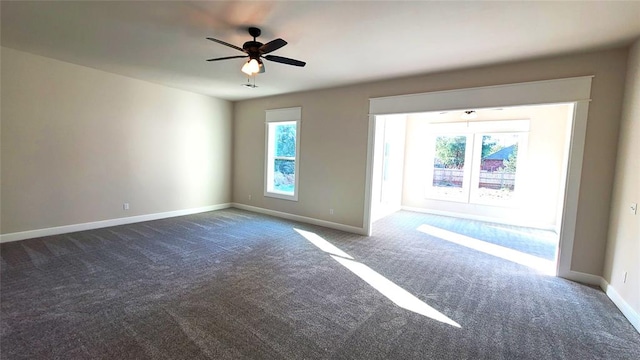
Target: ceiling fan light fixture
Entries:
(251, 67)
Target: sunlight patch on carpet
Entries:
(322, 244)
(546, 236)
(386, 287)
(543, 266)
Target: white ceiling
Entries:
(343, 42)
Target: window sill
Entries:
(281, 196)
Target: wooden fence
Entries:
(488, 179)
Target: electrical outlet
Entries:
(125, 206)
(330, 211)
(249, 196)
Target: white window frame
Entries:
(281, 117)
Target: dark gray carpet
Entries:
(232, 284)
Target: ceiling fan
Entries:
(256, 51)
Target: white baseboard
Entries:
(304, 219)
(550, 227)
(583, 278)
(106, 223)
(626, 309)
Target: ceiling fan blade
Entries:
(229, 57)
(272, 46)
(226, 44)
(285, 60)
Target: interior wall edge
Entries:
(30, 234)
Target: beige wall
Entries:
(334, 141)
(77, 143)
(623, 248)
(332, 154)
(539, 179)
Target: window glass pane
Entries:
(448, 165)
(498, 166)
(281, 153)
(284, 177)
(285, 140)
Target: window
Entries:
(448, 174)
(449, 167)
(496, 172)
(282, 149)
(476, 162)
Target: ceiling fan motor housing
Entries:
(252, 48)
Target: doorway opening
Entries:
(505, 166)
(517, 160)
